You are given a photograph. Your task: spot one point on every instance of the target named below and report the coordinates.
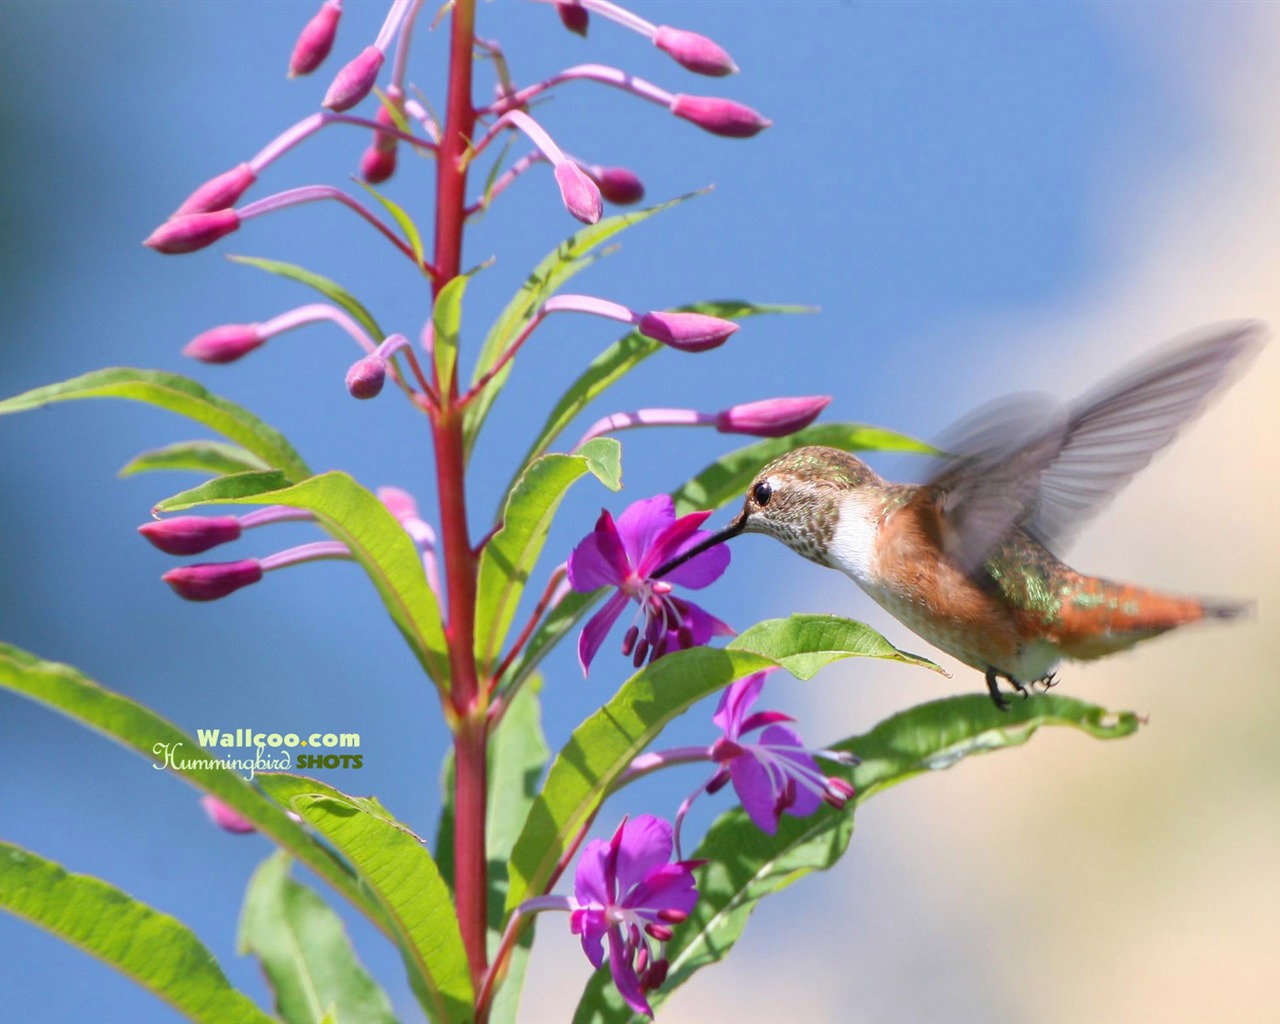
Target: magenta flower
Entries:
(623, 554)
(226, 817)
(774, 773)
(627, 890)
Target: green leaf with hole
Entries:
(803, 644)
(156, 951)
(331, 290)
(177, 394)
(214, 458)
(728, 478)
(305, 952)
(356, 517)
(744, 865)
(396, 869)
(511, 554)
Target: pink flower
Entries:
(623, 554)
(226, 818)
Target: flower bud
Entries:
(617, 184)
(226, 818)
(580, 194)
(220, 192)
(354, 82)
(689, 332)
(316, 39)
(661, 932)
(379, 160)
(573, 16)
(693, 51)
(189, 232)
(366, 377)
(224, 344)
(212, 580)
(773, 417)
(190, 535)
(656, 974)
(719, 116)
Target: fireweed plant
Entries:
(649, 910)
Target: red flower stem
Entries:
(503, 359)
(495, 713)
(467, 695)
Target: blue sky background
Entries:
(981, 198)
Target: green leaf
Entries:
(153, 949)
(745, 864)
(357, 518)
(803, 644)
(557, 267)
(411, 233)
(626, 354)
(397, 870)
(213, 457)
(178, 394)
(305, 952)
(332, 291)
(512, 552)
(225, 489)
(728, 478)
(602, 747)
(446, 323)
(167, 747)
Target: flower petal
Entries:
(789, 748)
(670, 887)
(647, 843)
(624, 974)
(594, 632)
(588, 922)
(736, 701)
(675, 534)
(590, 886)
(599, 560)
(641, 523)
(755, 788)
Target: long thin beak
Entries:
(732, 530)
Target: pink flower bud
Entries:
(573, 16)
(580, 194)
(719, 116)
(220, 192)
(192, 231)
(773, 417)
(354, 82)
(316, 39)
(617, 184)
(366, 377)
(693, 51)
(190, 535)
(226, 818)
(224, 344)
(379, 160)
(689, 332)
(212, 580)
(656, 974)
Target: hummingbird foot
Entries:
(993, 688)
(1046, 682)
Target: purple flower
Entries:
(775, 772)
(627, 890)
(623, 554)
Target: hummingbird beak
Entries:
(732, 530)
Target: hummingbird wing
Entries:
(1032, 464)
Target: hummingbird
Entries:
(968, 560)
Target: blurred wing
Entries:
(1048, 470)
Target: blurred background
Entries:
(982, 198)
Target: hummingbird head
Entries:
(796, 498)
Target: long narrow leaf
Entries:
(153, 949)
(803, 644)
(381, 546)
(397, 870)
(214, 458)
(178, 394)
(331, 290)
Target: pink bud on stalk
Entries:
(719, 116)
(190, 232)
(225, 344)
(573, 16)
(220, 192)
(366, 377)
(191, 535)
(225, 817)
(379, 161)
(772, 417)
(316, 39)
(581, 195)
(689, 332)
(212, 580)
(693, 51)
(617, 184)
(355, 81)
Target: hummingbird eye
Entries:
(761, 493)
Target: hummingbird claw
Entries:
(993, 688)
